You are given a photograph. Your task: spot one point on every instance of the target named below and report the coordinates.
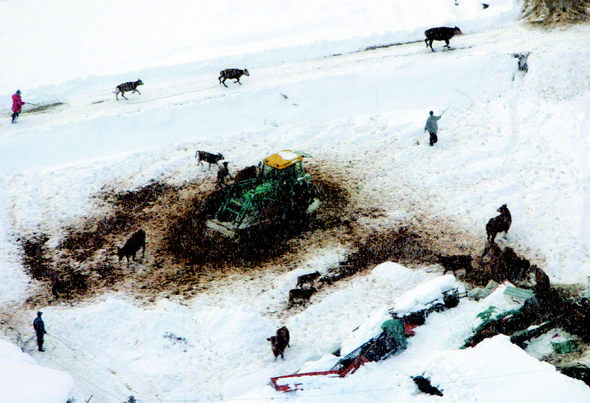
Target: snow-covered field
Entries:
(505, 138)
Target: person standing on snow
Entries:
(39, 327)
(17, 103)
(432, 127)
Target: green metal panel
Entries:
(256, 201)
(564, 347)
(395, 330)
(518, 292)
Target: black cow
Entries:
(233, 74)
(300, 294)
(283, 335)
(132, 245)
(455, 262)
(208, 157)
(440, 34)
(543, 284)
(425, 386)
(279, 342)
(277, 346)
(221, 174)
(250, 172)
(126, 87)
(307, 278)
(500, 223)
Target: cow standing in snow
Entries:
(440, 34)
(307, 279)
(300, 294)
(208, 157)
(500, 223)
(279, 342)
(283, 335)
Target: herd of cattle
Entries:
(280, 341)
(304, 287)
(131, 86)
(494, 226)
(432, 34)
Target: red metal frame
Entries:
(340, 373)
(409, 329)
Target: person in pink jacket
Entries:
(17, 103)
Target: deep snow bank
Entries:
(22, 380)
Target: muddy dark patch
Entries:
(375, 47)
(141, 198)
(68, 282)
(43, 108)
(40, 264)
(35, 256)
(189, 240)
(81, 243)
(499, 265)
(399, 245)
(182, 258)
(335, 199)
(402, 245)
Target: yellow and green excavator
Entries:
(281, 193)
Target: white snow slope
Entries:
(22, 380)
(505, 138)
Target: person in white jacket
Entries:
(432, 127)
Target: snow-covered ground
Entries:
(505, 138)
(23, 380)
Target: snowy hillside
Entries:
(21, 380)
(321, 81)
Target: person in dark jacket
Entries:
(432, 127)
(39, 327)
(17, 104)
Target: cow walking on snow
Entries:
(279, 342)
(232, 74)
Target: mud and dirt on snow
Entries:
(44, 107)
(183, 258)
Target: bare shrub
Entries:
(549, 12)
